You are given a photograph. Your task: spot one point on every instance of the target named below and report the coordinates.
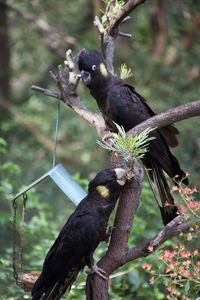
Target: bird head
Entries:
(108, 182)
(93, 69)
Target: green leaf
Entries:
(187, 287)
(135, 280)
(103, 19)
(3, 142)
(10, 166)
(2, 150)
(125, 72)
(6, 187)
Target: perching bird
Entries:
(119, 102)
(80, 236)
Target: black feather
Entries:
(78, 239)
(119, 102)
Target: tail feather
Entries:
(56, 290)
(38, 288)
(38, 294)
(181, 176)
(52, 290)
(61, 286)
(162, 193)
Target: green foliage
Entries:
(176, 265)
(113, 7)
(2, 145)
(82, 181)
(128, 147)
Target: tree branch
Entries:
(111, 32)
(174, 228)
(45, 92)
(96, 287)
(171, 116)
(122, 14)
(70, 97)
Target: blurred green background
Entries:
(164, 55)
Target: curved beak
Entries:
(86, 77)
(121, 176)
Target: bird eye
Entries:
(94, 67)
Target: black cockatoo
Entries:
(80, 236)
(119, 102)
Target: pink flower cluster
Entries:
(187, 205)
(180, 265)
(168, 255)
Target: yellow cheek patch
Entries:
(103, 70)
(103, 191)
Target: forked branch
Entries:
(110, 32)
(122, 14)
(69, 94)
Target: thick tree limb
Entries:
(171, 116)
(174, 228)
(96, 287)
(174, 115)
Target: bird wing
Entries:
(169, 132)
(77, 239)
(129, 109)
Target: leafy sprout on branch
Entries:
(125, 72)
(128, 147)
(112, 9)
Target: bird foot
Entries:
(96, 270)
